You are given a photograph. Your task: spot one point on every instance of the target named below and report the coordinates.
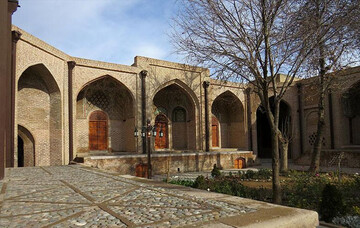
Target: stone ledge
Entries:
(265, 214)
(165, 155)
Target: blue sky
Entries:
(106, 30)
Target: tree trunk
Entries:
(275, 167)
(315, 157)
(284, 146)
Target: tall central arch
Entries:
(228, 129)
(105, 117)
(175, 103)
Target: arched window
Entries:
(179, 115)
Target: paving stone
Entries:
(74, 196)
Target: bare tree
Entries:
(252, 41)
(333, 25)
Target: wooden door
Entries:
(215, 132)
(239, 163)
(161, 123)
(98, 131)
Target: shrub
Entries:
(264, 174)
(332, 204)
(304, 191)
(348, 221)
(200, 182)
(249, 174)
(188, 183)
(215, 172)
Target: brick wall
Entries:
(185, 162)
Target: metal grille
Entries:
(312, 139)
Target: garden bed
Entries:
(299, 189)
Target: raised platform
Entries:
(174, 161)
(329, 158)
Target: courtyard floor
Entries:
(77, 196)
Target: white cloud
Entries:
(106, 30)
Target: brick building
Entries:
(68, 107)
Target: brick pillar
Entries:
(206, 105)
(7, 8)
(143, 75)
(71, 65)
(249, 122)
(15, 38)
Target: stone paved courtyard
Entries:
(76, 196)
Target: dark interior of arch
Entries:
(350, 101)
(264, 131)
(26, 147)
(228, 108)
(351, 109)
(32, 75)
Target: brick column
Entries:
(143, 75)
(207, 134)
(71, 65)
(7, 8)
(15, 38)
(249, 122)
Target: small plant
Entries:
(200, 182)
(249, 174)
(264, 174)
(348, 221)
(215, 173)
(332, 204)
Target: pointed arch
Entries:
(108, 95)
(228, 110)
(351, 113)
(39, 106)
(40, 71)
(169, 97)
(104, 77)
(26, 149)
(183, 86)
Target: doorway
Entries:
(20, 152)
(161, 124)
(98, 131)
(215, 132)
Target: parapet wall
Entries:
(179, 162)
